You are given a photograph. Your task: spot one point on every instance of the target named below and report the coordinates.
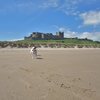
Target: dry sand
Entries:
(64, 74)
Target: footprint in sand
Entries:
(26, 70)
(63, 83)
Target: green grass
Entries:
(68, 42)
(64, 41)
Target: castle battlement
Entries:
(45, 36)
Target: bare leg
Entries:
(34, 55)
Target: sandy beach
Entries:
(56, 74)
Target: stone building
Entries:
(45, 36)
(60, 35)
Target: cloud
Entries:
(66, 6)
(69, 7)
(17, 6)
(28, 5)
(16, 39)
(72, 34)
(49, 4)
(91, 18)
(93, 36)
(75, 7)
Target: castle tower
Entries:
(60, 35)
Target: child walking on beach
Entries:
(34, 52)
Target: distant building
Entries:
(45, 36)
(60, 35)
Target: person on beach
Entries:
(34, 52)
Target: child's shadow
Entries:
(39, 58)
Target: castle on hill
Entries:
(44, 36)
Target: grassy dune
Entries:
(65, 43)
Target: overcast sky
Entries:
(77, 18)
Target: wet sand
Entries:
(64, 74)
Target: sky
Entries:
(76, 18)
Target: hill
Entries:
(65, 43)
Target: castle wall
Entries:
(38, 35)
